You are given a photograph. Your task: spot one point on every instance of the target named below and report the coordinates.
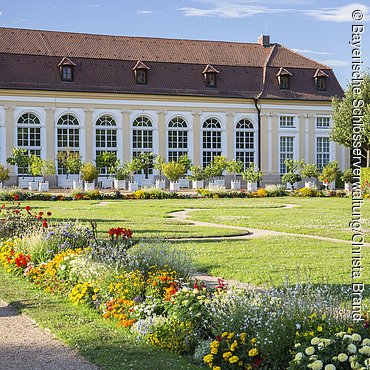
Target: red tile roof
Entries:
(29, 60)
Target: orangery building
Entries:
(255, 102)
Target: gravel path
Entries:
(25, 346)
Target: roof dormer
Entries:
(141, 73)
(321, 79)
(283, 76)
(66, 67)
(210, 76)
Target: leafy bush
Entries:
(4, 173)
(276, 190)
(262, 193)
(251, 174)
(89, 172)
(365, 176)
(307, 192)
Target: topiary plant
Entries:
(310, 171)
(89, 172)
(174, 170)
(233, 166)
(251, 174)
(20, 159)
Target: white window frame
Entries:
(255, 136)
(324, 128)
(295, 149)
(215, 130)
(179, 151)
(286, 116)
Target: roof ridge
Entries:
(264, 71)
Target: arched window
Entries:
(244, 142)
(105, 137)
(29, 136)
(142, 137)
(68, 136)
(211, 140)
(177, 138)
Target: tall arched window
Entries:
(211, 140)
(142, 137)
(244, 142)
(29, 136)
(105, 137)
(68, 136)
(177, 138)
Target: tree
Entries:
(251, 174)
(310, 171)
(159, 161)
(71, 161)
(184, 159)
(294, 171)
(233, 166)
(197, 173)
(20, 158)
(146, 159)
(35, 166)
(108, 161)
(217, 167)
(341, 132)
(174, 170)
(330, 172)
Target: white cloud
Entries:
(231, 11)
(307, 51)
(1, 13)
(90, 6)
(339, 14)
(148, 12)
(335, 63)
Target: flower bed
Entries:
(145, 288)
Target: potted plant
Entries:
(252, 176)
(47, 169)
(134, 166)
(173, 171)
(107, 161)
(71, 162)
(311, 172)
(4, 175)
(235, 167)
(146, 159)
(329, 174)
(347, 178)
(89, 175)
(184, 159)
(197, 176)
(215, 171)
(159, 161)
(35, 170)
(122, 174)
(21, 160)
(293, 174)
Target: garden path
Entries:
(24, 345)
(246, 233)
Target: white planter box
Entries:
(198, 184)
(147, 183)
(33, 185)
(105, 183)
(174, 186)
(251, 186)
(23, 182)
(120, 184)
(78, 185)
(89, 186)
(310, 184)
(288, 186)
(219, 183)
(330, 186)
(65, 183)
(133, 186)
(44, 186)
(160, 184)
(348, 186)
(235, 185)
(184, 183)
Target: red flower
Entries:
(27, 208)
(16, 211)
(3, 206)
(219, 338)
(41, 213)
(48, 213)
(16, 196)
(44, 223)
(22, 260)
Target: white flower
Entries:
(356, 337)
(366, 342)
(317, 365)
(365, 350)
(309, 351)
(367, 362)
(330, 367)
(298, 357)
(297, 345)
(342, 357)
(351, 348)
(349, 337)
(315, 341)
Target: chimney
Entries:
(264, 40)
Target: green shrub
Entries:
(306, 192)
(365, 176)
(276, 190)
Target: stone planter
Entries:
(44, 186)
(235, 185)
(160, 184)
(219, 183)
(146, 183)
(78, 185)
(133, 186)
(288, 186)
(310, 184)
(348, 186)
(184, 183)
(89, 186)
(105, 183)
(65, 183)
(120, 184)
(198, 184)
(33, 185)
(251, 186)
(174, 186)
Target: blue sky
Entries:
(318, 29)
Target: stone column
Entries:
(89, 154)
(196, 138)
(269, 143)
(49, 151)
(230, 150)
(301, 136)
(125, 136)
(275, 145)
(162, 133)
(9, 128)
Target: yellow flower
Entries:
(208, 358)
(253, 352)
(226, 355)
(234, 359)
(214, 351)
(319, 328)
(224, 334)
(253, 340)
(216, 368)
(230, 335)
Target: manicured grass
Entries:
(99, 340)
(268, 261)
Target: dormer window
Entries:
(66, 69)
(321, 80)
(210, 76)
(284, 78)
(141, 73)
